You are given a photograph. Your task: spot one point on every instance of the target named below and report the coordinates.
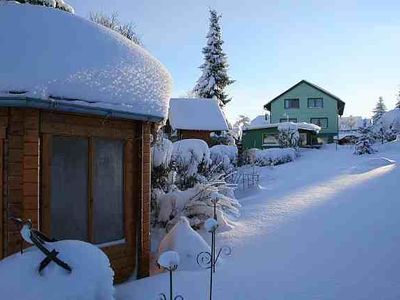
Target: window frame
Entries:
(286, 102)
(320, 118)
(313, 99)
(264, 135)
(90, 128)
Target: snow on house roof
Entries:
(258, 122)
(196, 114)
(286, 125)
(65, 60)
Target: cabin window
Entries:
(292, 103)
(294, 120)
(69, 196)
(315, 103)
(108, 190)
(87, 189)
(321, 122)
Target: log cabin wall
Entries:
(25, 146)
(195, 134)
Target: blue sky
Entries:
(351, 48)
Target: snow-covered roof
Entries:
(258, 122)
(283, 125)
(196, 114)
(65, 60)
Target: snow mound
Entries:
(62, 58)
(371, 164)
(91, 277)
(189, 114)
(187, 242)
(169, 260)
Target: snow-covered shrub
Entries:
(224, 138)
(191, 158)
(224, 158)
(269, 157)
(195, 203)
(288, 136)
(364, 143)
(91, 277)
(161, 164)
(186, 242)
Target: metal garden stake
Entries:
(169, 261)
(208, 260)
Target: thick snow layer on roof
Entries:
(91, 277)
(196, 114)
(258, 122)
(287, 125)
(49, 54)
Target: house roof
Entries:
(63, 60)
(340, 103)
(284, 125)
(196, 114)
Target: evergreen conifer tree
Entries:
(379, 110)
(398, 100)
(214, 78)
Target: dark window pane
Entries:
(292, 103)
(108, 190)
(321, 122)
(315, 103)
(69, 187)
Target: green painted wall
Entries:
(254, 138)
(304, 114)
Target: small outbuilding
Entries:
(263, 135)
(78, 103)
(195, 118)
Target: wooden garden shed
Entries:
(78, 104)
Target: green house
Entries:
(307, 102)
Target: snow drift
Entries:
(186, 242)
(62, 58)
(91, 277)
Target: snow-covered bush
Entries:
(195, 203)
(161, 164)
(191, 158)
(364, 143)
(269, 157)
(224, 158)
(91, 277)
(224, 138)
(186, 242)
(288, 136)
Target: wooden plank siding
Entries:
(25, 180)
(195, 134)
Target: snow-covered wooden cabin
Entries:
(195, 118)
(77, 106)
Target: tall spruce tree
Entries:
(379, 110)
(214, 78)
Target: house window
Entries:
(315, 103)
(292, 103)
(270, 139)
(87, 189)
(321, 122)
(293, 120)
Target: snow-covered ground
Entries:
(325, 226)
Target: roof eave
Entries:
(27, 102)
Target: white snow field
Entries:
(326, 226)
